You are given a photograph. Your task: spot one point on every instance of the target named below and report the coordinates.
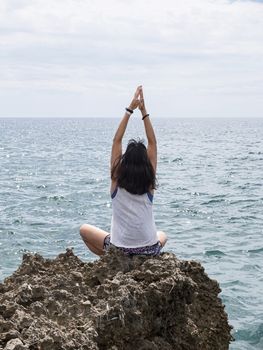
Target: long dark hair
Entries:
(133, 170)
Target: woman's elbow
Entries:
(116, 140)
(152, 142)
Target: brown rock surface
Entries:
(114, 303)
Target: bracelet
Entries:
(129, 110)
(146, 115)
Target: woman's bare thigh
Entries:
(94, 236)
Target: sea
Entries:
(55, 176)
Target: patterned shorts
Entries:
(154, 249)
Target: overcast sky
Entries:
(83, 58)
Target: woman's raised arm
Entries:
(116, 150)
(152, 143)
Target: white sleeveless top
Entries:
(132, 223)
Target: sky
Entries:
(83, 58)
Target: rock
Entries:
(117, 302)
(15, 344)
(12, 334)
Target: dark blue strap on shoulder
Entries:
(150, 196)
(114, 193)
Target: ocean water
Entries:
(54, 176)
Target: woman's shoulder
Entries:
(151, 190)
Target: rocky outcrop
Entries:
(114, 303)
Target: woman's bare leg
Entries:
(162, 237)
(93, 237)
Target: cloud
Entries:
(104, 48)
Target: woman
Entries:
(133, 182)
